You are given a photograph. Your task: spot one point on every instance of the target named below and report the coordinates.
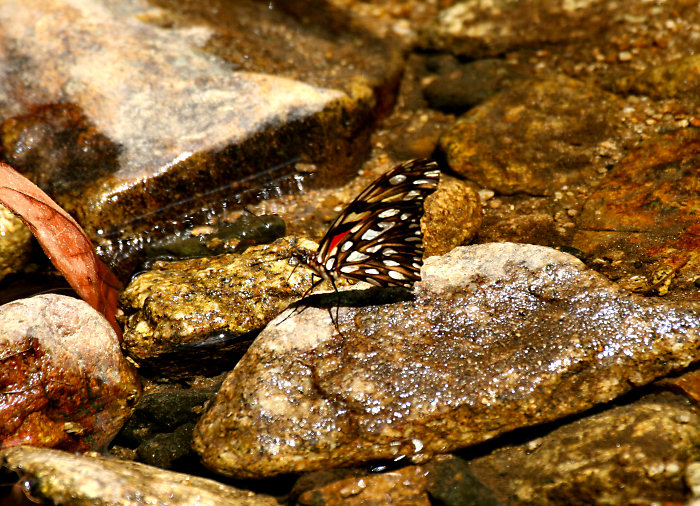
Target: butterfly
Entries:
(377, 237)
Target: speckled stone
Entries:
(66, 478)
(193, 315)
(497, 337)
(403, 486)
(640, 227)
(456, 86)
(479, 28)
(535, 137)
(64, 380)
(15, 242)
(631, 454)
(452, 216)
(677, 78)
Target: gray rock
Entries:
(66, 478)
(498, 337)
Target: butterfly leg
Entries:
(309, 290)
(337, 306)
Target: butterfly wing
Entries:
(377, 238)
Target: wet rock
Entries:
(445, 480)
(164, 449)
(640, 227)
(692, 477)
(413, 134)
(168, 409)
(174, 111)
(66, 478)
(58, 147)
(456, 86)
(592, 39)
(403, 486)
(535, 137)
(402, 18)
(15, 243)
(631, 454)
(451, 482)
(452, 216)
(160, 430)
(687, 384)
(496, 338)
(235, 237)
(64, 380)
(196, 316)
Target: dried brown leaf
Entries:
(64, 241)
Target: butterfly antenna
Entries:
(265, 224)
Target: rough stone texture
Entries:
(692, 478)
(178, 115)
(15, 242)
(481, 28)
(65, 478)
(64, 380)
(535, 136)
(452, 216)
(403, 486)
(190, 315)
(640, 227)
(450, 482)
(678, 78)
(592, 39)
(160, 430)
(497, 337)
(457, 87)
(446, 480)
(632, 454)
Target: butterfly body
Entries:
(377, 238)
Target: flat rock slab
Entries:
(536, 137)
(499, 336)
(641, 225)
(135, 116)
(63, 379)
(66, 478)
(631, 454)
(608, 42)
(480, 29)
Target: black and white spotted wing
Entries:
(377, 238)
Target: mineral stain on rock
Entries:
(644, 218)
(63, 380)
(498, 337)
